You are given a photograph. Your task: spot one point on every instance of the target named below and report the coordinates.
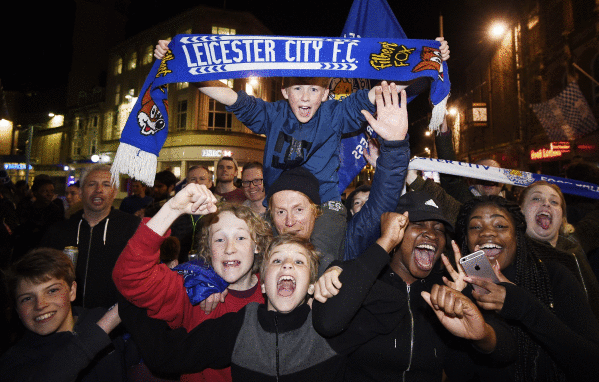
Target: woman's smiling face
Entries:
(491, 229)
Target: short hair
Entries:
(350, 199)
(565, 228)
(169, 249)
(76, 184)
(166, 177)
(91, 169)
(313, 253)
(229, 159)
(252, 165)
(40, 265)
(260, 230)
(318, 81)
(198, 166)
(39, 183)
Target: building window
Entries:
(182, 115)
(77, 138)
(93, 146)
(118, 66)
(108, 117)
(222, 30)
(218, 117)
(117, 95)
(182, 85)
(148, 55)
(132, 61)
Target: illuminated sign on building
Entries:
(544, 153)
(564, 147)
(216, 153)
(16, 166)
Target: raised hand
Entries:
(328, 284)
(457, 281)
(391, 122)
(372, 153)
(393, 226)
(161, 49)
(444, 48)
(193, 199)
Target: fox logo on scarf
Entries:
(149, 118)
(431, 59)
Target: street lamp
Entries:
(497, 29)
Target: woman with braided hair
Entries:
(557, 333)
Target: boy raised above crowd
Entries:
(304, 130)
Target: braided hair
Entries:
(531, 274)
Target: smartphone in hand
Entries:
(478, 265)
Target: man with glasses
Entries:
(252, 183)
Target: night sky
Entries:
(36, 48)
(36, 52)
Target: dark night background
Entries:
(37, 44)
(37, 47)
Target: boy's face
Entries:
(286, 278)
(232, 250)
(45, 308)
(305, 100)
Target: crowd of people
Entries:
(275, 276)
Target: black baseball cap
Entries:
(421, 206)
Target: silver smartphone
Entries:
(478, 265)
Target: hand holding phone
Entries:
(478, 265)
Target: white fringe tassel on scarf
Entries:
(439, 111)
(136, 163)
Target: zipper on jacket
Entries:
(411, 333)
(277, 345)
(89, 248)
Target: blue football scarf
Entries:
(194, 58)
(200, 281)
(503, 175)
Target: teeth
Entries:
(544, 214)
(427, 246)
(287, 278)
(489, 246)
(230, 263)
(44, 316)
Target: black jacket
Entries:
(63, 356)
(99, 248)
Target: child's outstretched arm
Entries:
(138, 274)
(213, 89)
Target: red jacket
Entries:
(141, 279)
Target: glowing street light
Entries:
(453, 111)
(497, 29)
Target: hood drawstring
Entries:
(105, 229)
(79, 229)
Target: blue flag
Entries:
(367, 18)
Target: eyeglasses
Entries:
(255, 182)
